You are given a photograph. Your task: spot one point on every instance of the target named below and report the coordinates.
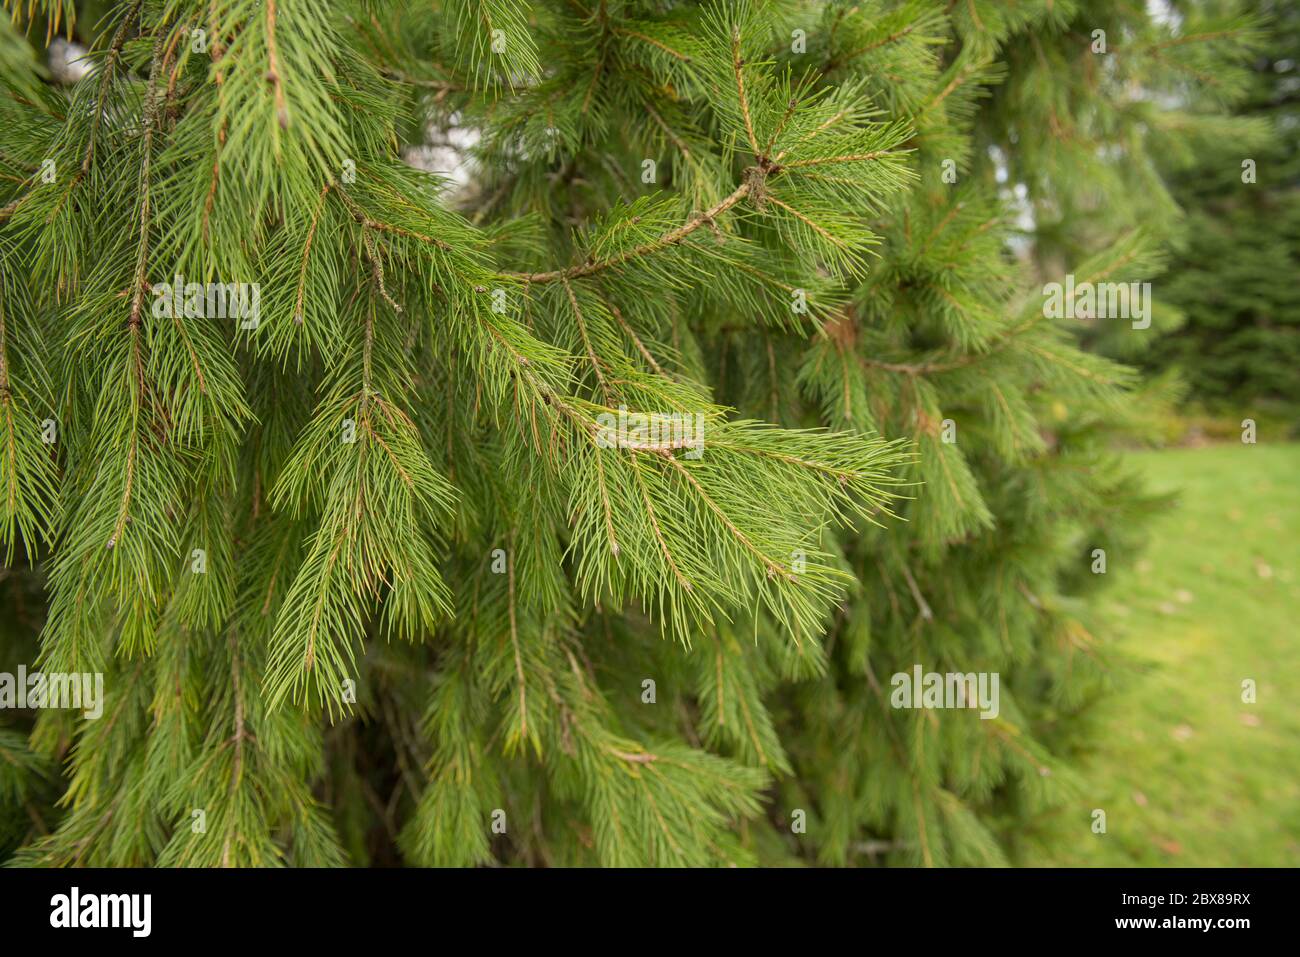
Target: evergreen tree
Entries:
(584, 512)
(1240, 344)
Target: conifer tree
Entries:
(1239, 346)
(580, 512)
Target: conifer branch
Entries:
(110, 67)
(737, 64)
(676, 54)
(273, 68)
(514, 638)
(139, 284)
(773, 569)
(306, 254)
(658, 532)
(369, 222)
(670, 238)
(823, 160)
(586, 340)
(636, 340)
(237, 741)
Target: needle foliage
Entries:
(366, 579)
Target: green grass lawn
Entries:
(1187, 773)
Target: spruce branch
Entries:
(671, 238)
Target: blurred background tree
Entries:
(1237, 254)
